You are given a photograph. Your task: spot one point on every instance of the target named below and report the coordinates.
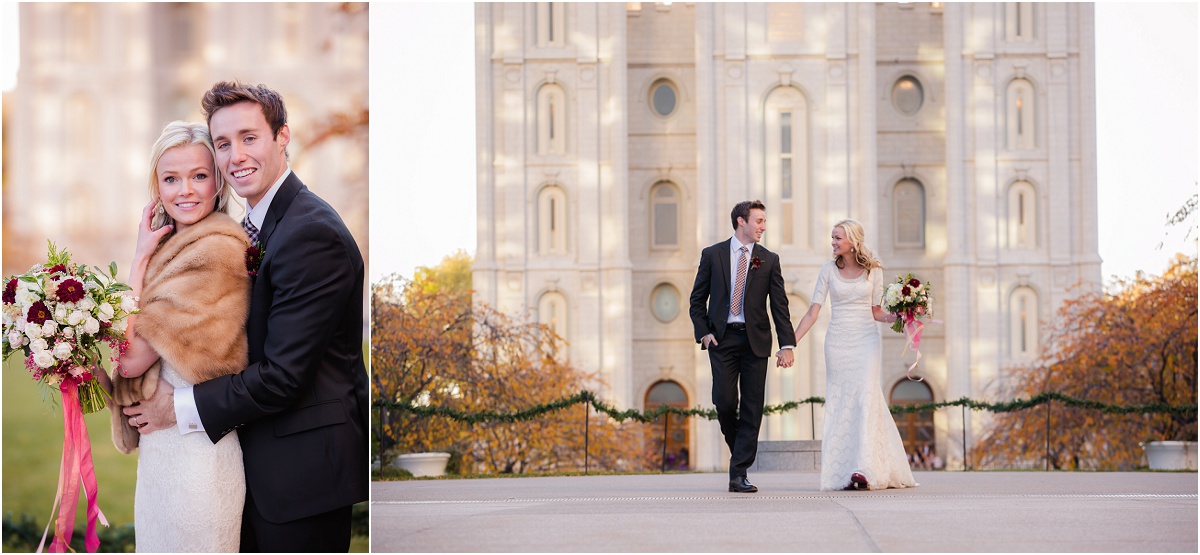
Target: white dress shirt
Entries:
(735, 247)
(187, 417)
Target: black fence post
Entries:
(666, 420)
(812, 412)
(965, 450)
(587, 410)
(1048, 401)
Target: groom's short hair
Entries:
(742, 210)
(227, 93)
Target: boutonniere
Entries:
(254, 256)
(755, 263)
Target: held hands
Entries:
(155, 413)
(785, 358)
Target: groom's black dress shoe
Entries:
(742, 485)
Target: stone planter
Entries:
(1171, 455)
(423, 464)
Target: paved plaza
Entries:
(950, 511)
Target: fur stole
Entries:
(193, 309)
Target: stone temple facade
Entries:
(614, 138)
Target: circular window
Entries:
(908, 95)
(663, 97)
(664, 302)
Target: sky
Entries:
(423, 131)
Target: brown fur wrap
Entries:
(193, 309)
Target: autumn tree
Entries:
(1135, 345)
(431, 347)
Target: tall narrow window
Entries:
(549, 24)
(551, 120)
(80, 131)
(552, 313)
(1023, 328)
(81, 32)
(1020, 117)
(1022, 216)
(665, 214)
(908, 214)
(1019, 21)
(552, 233)
(786, 162)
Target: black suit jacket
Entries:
(712, 288)
(301, 406)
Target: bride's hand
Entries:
(148, 239)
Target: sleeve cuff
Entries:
(187, 418)
(787, 347)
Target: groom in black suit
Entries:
(301, 406)
(729, 318)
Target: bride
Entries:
(861, 447)
(189, 272)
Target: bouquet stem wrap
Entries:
(77, 471)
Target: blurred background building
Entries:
(614, 138)
(98, 81)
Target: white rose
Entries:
(33, 331)
(75, 318)
(26, 297)
(106, 312)
(60, 313)
(38, 345)
(85, 304)
(49, 328)
(121, 325)
(68, 332)
(62, 350)
(43, 359)
(15, 339)
(92, 326)
(129, 303)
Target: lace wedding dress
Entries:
(190, 492)
(859, 434)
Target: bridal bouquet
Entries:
(909, 299)
(57, 315)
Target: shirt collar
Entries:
(259, 212)
(734, 245)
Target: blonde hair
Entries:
(863, 255)
(177, 134)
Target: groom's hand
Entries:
(708, 341)
(155, 413)
(786, 358)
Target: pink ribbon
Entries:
(912, 331)
(77, 471)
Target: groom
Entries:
(735, 279)
(301, 406)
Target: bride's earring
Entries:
(158, 208)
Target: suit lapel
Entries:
(750, 271)
(283, 199)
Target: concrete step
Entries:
(788, 455)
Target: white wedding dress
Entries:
(190, 492)
(859, 434)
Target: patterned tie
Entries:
(739, 284)
(250, 229)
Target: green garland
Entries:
(711, 413)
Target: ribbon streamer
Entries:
(912, 332)
(77, 471)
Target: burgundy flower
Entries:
(56, 268)
(10, 291)
(253, 258)
(755, 263)
(38, 313)
(914, 282)
(906, 291)
(70, 291)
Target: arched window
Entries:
(908, 214)
(550, 25)
(1023, 328)
(552, 221)
(664, 302)
(916, 428)
(1020, 117)
(787, 161)
(80, 128)
(664, 212)
(1018, 21)
(81, 32)
(671, 454)
(552, 312)
(551, 120)
(1022, 216)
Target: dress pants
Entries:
(322, 533)
(734, 367)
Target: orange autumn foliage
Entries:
(1134, 345)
